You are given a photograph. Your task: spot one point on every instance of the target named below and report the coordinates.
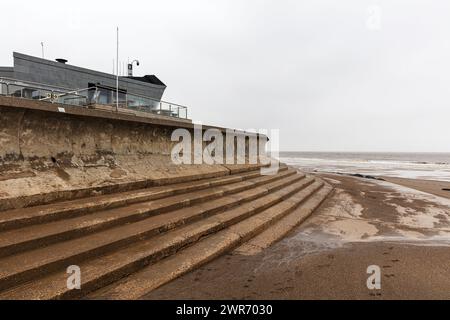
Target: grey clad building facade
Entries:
(60, 74)
(7, 72)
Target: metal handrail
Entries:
(158, 101)
(55, 93)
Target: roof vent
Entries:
(63, 61)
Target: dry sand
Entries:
(365, 222)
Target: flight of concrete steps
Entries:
(130, 243)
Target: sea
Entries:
(426, 166)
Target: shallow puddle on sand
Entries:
(420, 219)
(342, 222)
(436, 214)
(294, 248)
(413, 194)
(344, 206)
(351, 229)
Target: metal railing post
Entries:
(42, 92)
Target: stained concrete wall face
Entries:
(9, 135)
(47, 155)
(41, 137)
(33, 69)
(33, 135)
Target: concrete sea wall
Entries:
(48, 153)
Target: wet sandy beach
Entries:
(404, 231)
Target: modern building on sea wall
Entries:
(31, 73)
(59, 73)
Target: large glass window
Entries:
(106, 95)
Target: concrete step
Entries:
(240, 168)
(155, 275)
(62, 210)
(72, 194)
(280, 229)
(35, 236)
(14, 270)
(99, 271)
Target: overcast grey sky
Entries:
(350, 75)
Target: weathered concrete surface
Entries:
(364, 222)
(138, 247)
(71, 178)
(46, 155)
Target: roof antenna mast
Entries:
(42, 45)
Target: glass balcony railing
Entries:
(90, 97)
